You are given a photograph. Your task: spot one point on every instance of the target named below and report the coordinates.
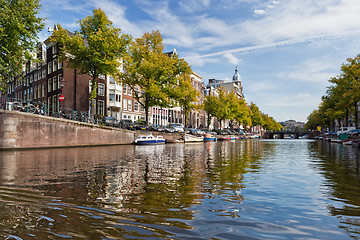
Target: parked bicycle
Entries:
(25, 107)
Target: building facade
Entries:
(228, 85)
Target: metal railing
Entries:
(34, 107)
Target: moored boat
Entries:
(223, 138)
(149, 140)
(175, 140)
(347, 141)
(233, 137)
(192, 138)
(209, 137)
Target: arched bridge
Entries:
(290, 134)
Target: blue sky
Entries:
(286, 50)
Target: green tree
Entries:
(351, 73)
(239, 111)
(270, 123)
(186, 95)
(19, 27)
(243, 115)
(96, 49)
(210, 106)
(154, 72)
(256, 117)
(223, 111)
(314, 120)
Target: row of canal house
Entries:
(45, 80)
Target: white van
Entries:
(344, 130)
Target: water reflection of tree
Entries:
(340, 165)
(147, 184)
(172, 179)
(227, 162)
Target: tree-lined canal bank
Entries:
(272, 189)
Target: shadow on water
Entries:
(219, 190)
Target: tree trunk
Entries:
(186, 116)
(356, 113)
(208, 121)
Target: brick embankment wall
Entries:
(25, 131)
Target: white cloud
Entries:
(259, 11)
(231, 58)
(117, 14)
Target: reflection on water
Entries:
(270, 189)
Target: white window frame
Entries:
(136, 106)
(59, 81)
(125, 104)
(39, 91)
(100, 111)
(50, 84)
(49, 67)
(125, 89)
(60, 64)
(55, 83)
(101, 89)
(55, 65)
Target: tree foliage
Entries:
(185, 95)
(224, 111)
(19, 26)
(256, 117)
(210, 106)
(239, 111)
(228, 106)
(154, 72)
(96, 49)
(341, 99)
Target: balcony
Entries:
(114, 104)
(115, 87)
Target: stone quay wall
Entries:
(20, 130)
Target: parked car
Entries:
(156, 127)
(140, 126)
(178, 128)
(110, 121)
(169, 129)
(195, 131)
(127, 124)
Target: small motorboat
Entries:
(233, 137)
(347, 141)
(149, 139)
(209, 138)
(192, 138)
(175, 140)
(224, 138)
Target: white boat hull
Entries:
(191, 138)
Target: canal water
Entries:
(247, 189)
